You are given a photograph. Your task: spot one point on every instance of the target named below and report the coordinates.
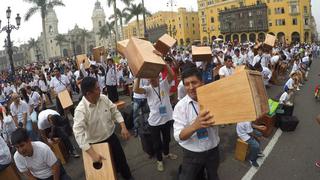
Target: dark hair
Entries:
(191, 72)
(88, 84)
(57, 68)
(19, 135)
(227, 57)
(24, 95)
(237, 50)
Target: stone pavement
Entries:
(145, 169)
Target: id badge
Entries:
(163, 110)
(202, 134)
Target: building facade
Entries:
(183, 25)
(251, 20)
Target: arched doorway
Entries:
(243, 38)
(213, 38)
(228, 37)
(188, 41)
(295, 37)
(281, 37)
(65, 52)
(306, 37)
(235, 38)
(181, 42)
(261, 37)
(271, 33)
(252, 37)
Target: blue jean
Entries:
(254, 146)
(139, 105)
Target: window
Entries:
(180, 26)
(280, 22)
(305, 9)
(294, 8)
(270, 23)
(269, 11)
(192, 25)
(99, 23)
(192, 18)
(250, 14)
(212, 19)
(251, 23)
(294, 21)
(306, 21)
(203, 20)
(193, 32)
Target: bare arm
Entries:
(170, 73)
(136, 87)
(24, 120)
(29, 176)
(15, 120)
(56, 170)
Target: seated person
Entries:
(246, 132)
(35, 159)
(51, 125)
(5, 156)
(285, 97)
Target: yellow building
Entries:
(243, 20)
(182, 25)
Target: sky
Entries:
(80, 11)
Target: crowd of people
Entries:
(32, 116)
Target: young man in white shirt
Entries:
(35, 159)
(19, 111)
(195, 132)
(5, 155)
(157, 94)
(246, 133)
(228, 68)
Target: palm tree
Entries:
(106, 30)
(122, 15)
(60, 38)
(135, 11)
(114, 3)
(42, 6)
(32, 43)
(84, 34)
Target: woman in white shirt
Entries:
(44, 86)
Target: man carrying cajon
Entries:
(94, 122)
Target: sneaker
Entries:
(261, 154)
(160, 166)
(298, 89)
(254, 163)
(74, 154)
(170, 156)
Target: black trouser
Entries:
(193, 164)
(60, 108)
(49, 96)
(118, 156)
(113, 93)
(161, 146)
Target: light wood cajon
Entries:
(82, 58)
(164, 44)
(10, 172)
(269, 41)
(120, 104)
(142, 60)
(107, 171)
(121, 47)
(241, 150)
(65, 99)
(97, 52)
(237, 98)
(203, 53)
(60, 151)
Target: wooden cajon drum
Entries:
(10, 172)
(97, 51)
(269, 122)
(120, 104)
(65, 99)
(203, 53)
(237, 98)
(269, 41)
(83, 58)
(241, 150)
(165, 43)
(60, 151)
(107, 171)
(121, 47)
(142, 60)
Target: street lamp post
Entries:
(171, 3)
(8, 28)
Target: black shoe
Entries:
(254, 163)
(74, 154)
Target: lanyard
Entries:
(158, 94)
(194, 108)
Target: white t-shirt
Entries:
(181, 91)
(290, 83)
(43, 122)
(19, 110)
(43, 86)
(284, 98)
(243, 130)
(143, 82)
(60, 84)
(274, 59)
(224, 71)
(35, 96)
(40, 163)
(5, 155)
(266, 74)
(152, 95)
(8, 126)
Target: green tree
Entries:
(42, 6)
(106, 30)
(60, 39)
(135, 11)
(122, 15)
(84, 34)
(32, 44)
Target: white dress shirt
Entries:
(94, 123)
(60, 84)
(184, 115)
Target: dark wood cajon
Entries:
(203, 53)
